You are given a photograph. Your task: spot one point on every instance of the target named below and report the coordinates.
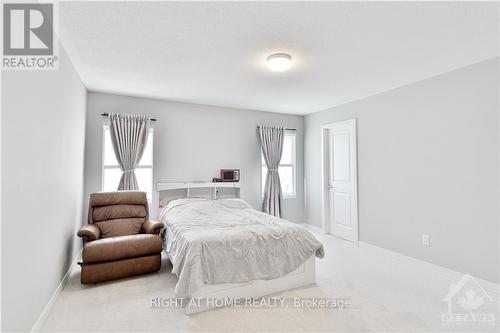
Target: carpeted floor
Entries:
(387, 291)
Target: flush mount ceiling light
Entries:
(279, 62)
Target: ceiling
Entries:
(214, 52)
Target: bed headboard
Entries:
(171, 191)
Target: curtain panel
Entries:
(129, 135)
(271, 139)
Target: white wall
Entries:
(43, 136)
(193, 142)
(428, 163)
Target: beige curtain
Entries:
(271, 139)
(129, 135)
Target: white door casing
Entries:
(340, 199)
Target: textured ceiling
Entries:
(214, 52)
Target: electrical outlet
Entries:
(426, 240)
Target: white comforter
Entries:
(226, 241)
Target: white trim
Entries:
(52, 301)
(325, 208)
(164, 189)
(103, 143)
(188, 185)
(490, 287)
(324, 226)
(312, 227)
(454, 276)
(152, 209)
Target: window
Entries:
(111, 170)
(286, 168)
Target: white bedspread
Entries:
(226, 241)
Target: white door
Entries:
(342, 180)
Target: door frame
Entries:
(325, 167)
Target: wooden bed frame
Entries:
(304, 275)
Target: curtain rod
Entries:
(107, 115)
(153, 119)
(286, 129)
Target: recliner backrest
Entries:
(118, 213)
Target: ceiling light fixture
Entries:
(279, 62)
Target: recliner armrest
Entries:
(89, 231)
(152, 227)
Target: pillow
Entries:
(165, 201)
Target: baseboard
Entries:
(312, 227)
(489, 286)
(50, 304)
(454, 276)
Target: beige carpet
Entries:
(388, 292)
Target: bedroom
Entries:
(415, 85)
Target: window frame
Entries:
(103, 158)
(292, 195)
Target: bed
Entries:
(223, 248)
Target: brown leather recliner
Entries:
(119, 239)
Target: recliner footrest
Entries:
(105, 271)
